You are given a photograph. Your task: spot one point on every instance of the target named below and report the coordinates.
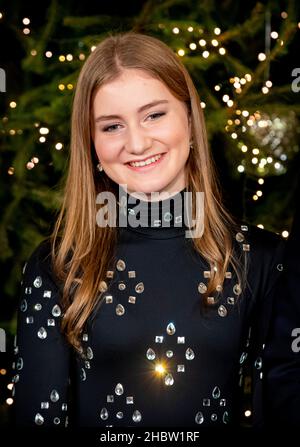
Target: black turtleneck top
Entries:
(153, 355)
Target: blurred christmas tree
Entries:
(240, 56)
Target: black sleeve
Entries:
(282, 354)
(271, 259)
(42, 355)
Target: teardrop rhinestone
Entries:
(150, 354)
(240, 237)
(222, 311)
(42, 333)
(120, 310)
(189, 354)
(237, 289)
(169, 354)
(121, 265)
(56, 311)
(171, 329)
(258, 363)
(82, 375)
(54, 396)
(216, 392)
(89, 353)
(23, 306)
(139, 288)
(225, 417)
(136, 417)
(19, 364)
(104, 414)
(103, 286)
(39, 420)
(199, 418)
(37, 282)
(119, 389)
(169, 380)
(243, 357)
(202, 288)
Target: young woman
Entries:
(139, 325)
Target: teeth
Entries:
(146, 162)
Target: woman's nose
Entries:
(138, 142)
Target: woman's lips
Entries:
(146, 168)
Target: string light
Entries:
(261, 181)
(285, 234)
(48, 54)
(181, 52)
(175, 30)
(190, 29)
(261, 57)
(217, 31)
(9, 401)
(248, 412)
(284, 15)
(1, 15)
(26, 31)
(58, 146)
(12, 104)
(61, 58)
(42, 139)
(81, 56)
(202, 42)
(274, 35)
(11, 170)
(61, 87)
(260, 226)
(214, 43)
(93, 48)
(33, 52)
(241, 168)
(69, 57)
(205, 54)
(193, 46)
(44, 130)
(222, 51)
(26, 21)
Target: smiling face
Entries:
(154, 139)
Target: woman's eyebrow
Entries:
(140, 109)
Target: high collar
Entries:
(161, 219)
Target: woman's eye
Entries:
(155, 115)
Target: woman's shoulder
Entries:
(265, 249)
(40, 262)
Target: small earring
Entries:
(191, 145)
(99, 167)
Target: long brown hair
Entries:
(82, 251)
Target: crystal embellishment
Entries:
(202, 288)
(237, 289)
(240, 237)
(37, 306)
(42, 333)
(216, 392)
(119, 390)
(120, 310)
(169, 380)
(121, 265)
(199, 418)
(139, 288)
(136, 417)
(108, 299)
(150, 354)
(222, 311)
(38, 282)
(180, 340)
(23, 306)
(47, 294)
(171, 329)
(121, 286)
(169, 354)
(159, 339)
(54, 396)
(189, 354)
(132, 299)
(104, 414)
(39, 420)
(56, 311)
